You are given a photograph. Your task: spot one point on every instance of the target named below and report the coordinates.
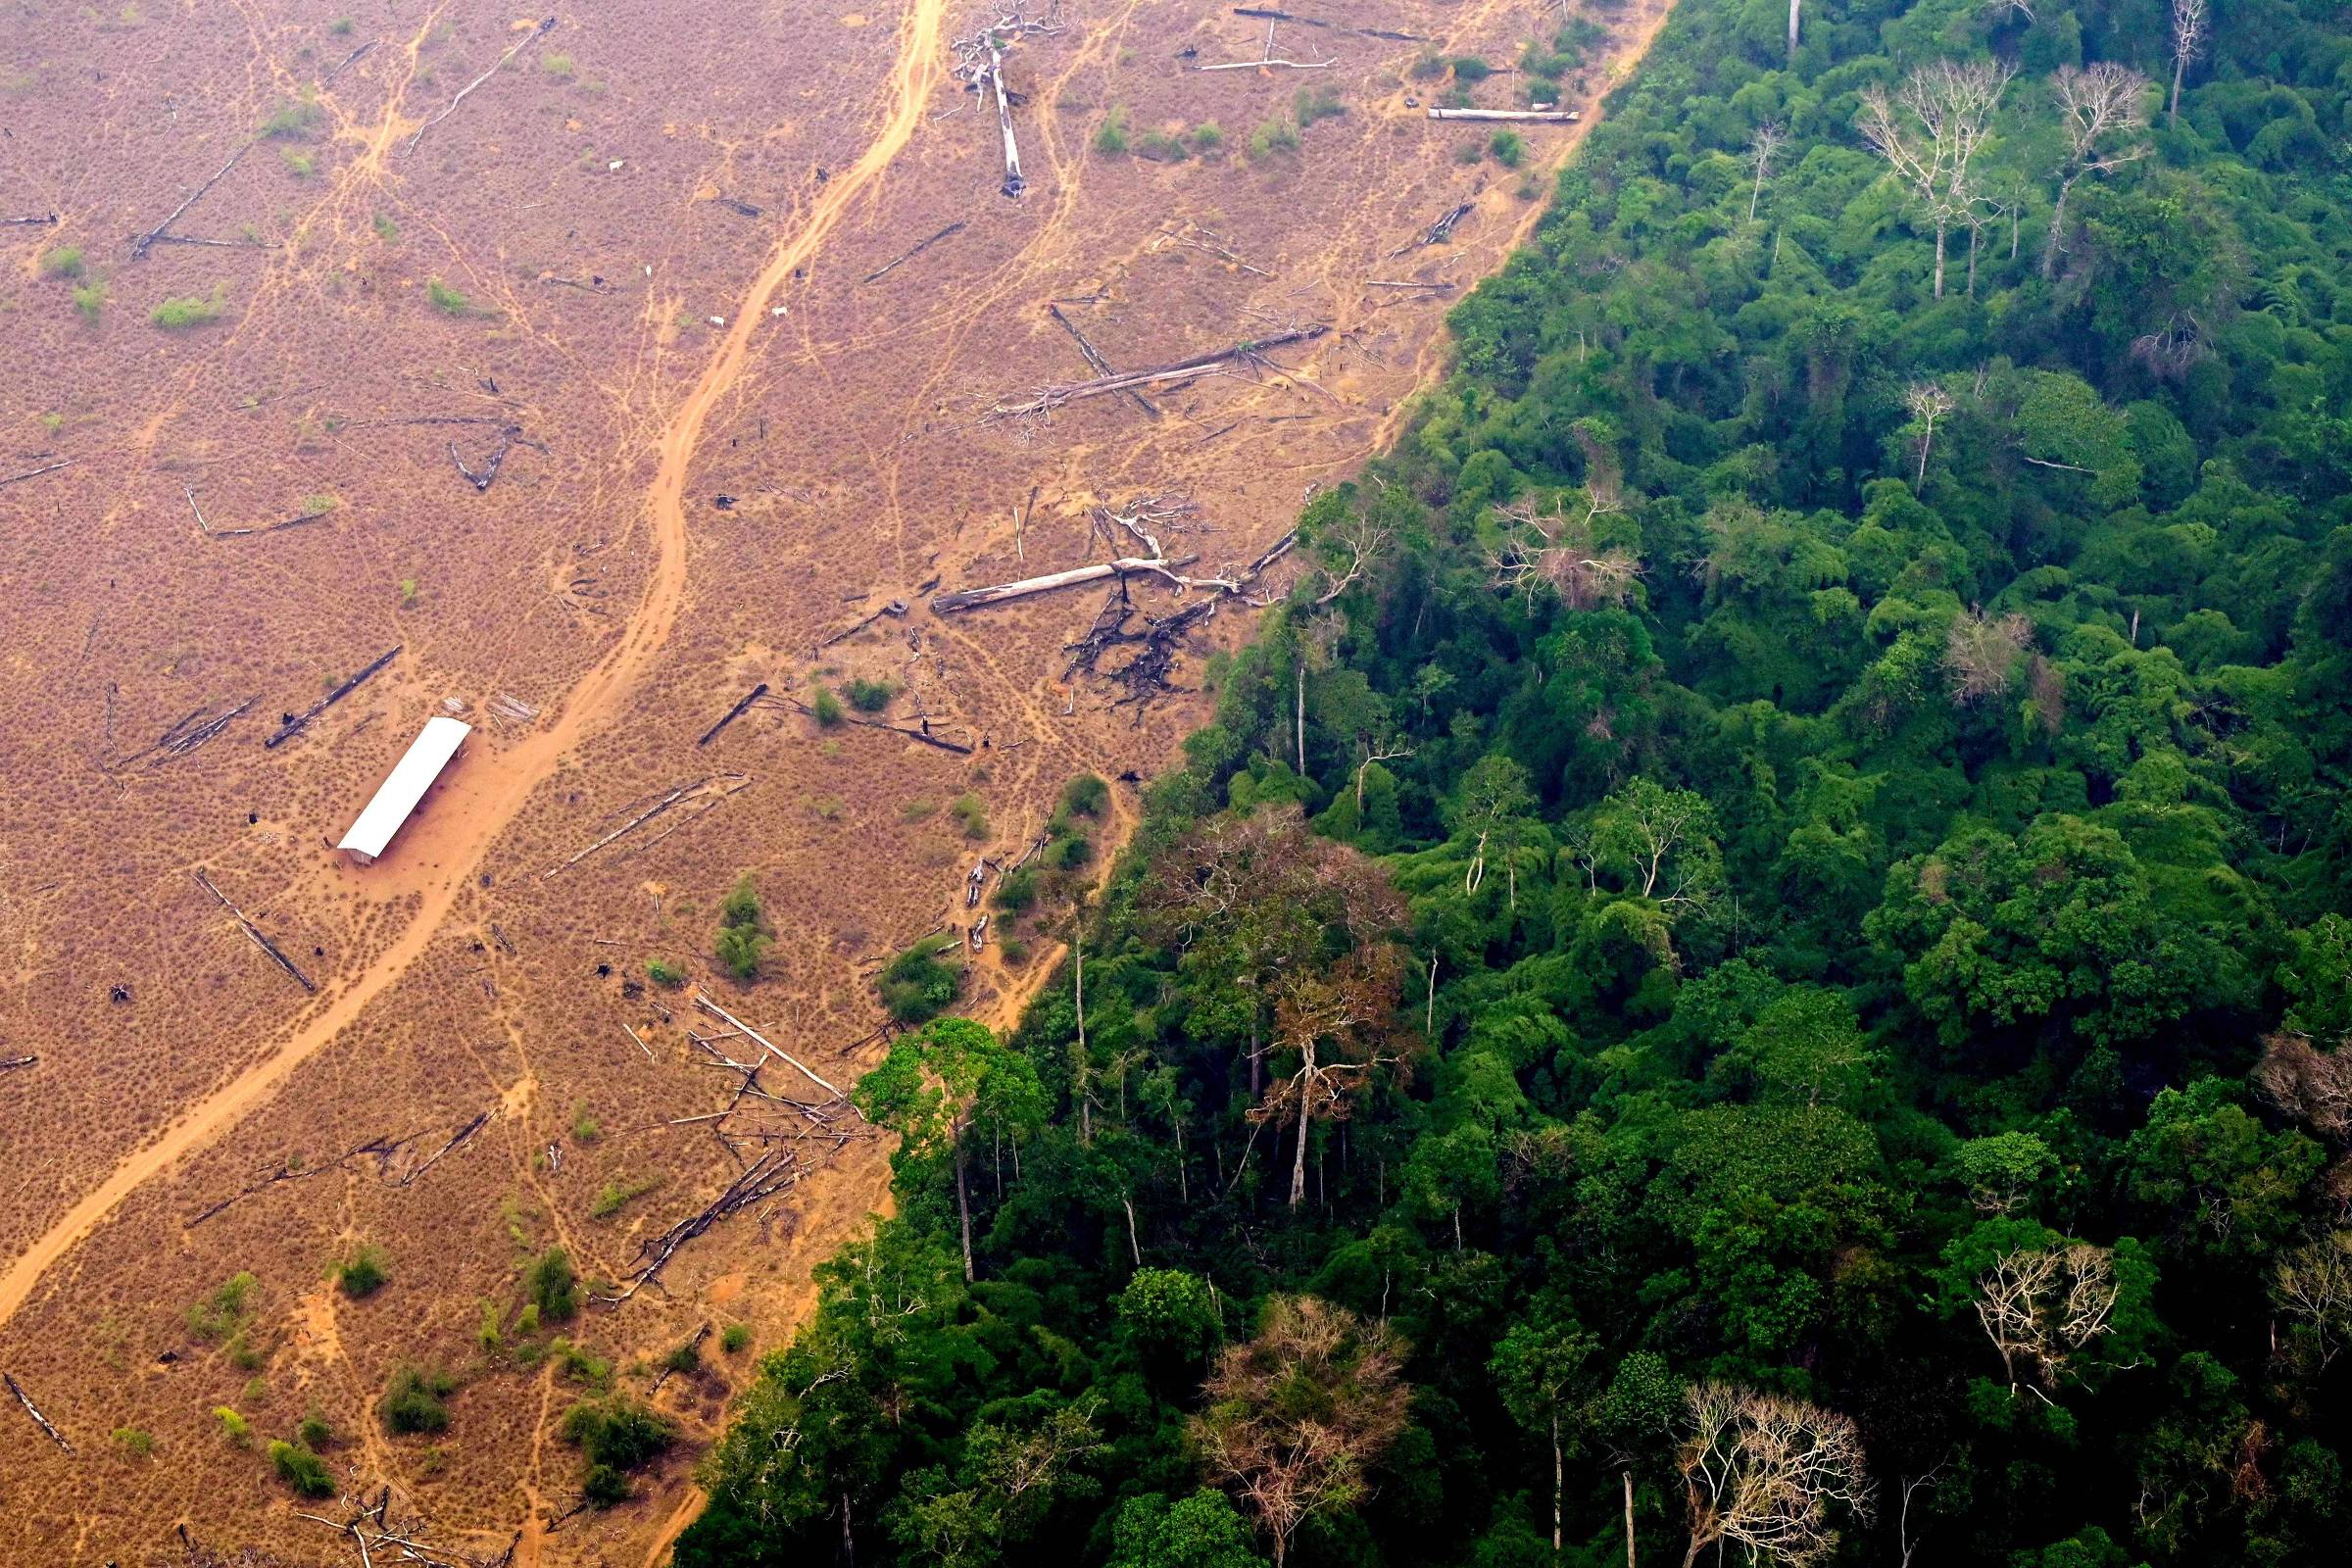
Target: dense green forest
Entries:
(1758, 959)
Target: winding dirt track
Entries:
(486, 796)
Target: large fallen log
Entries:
(296, 724)
(35, 474)
(999, 593)
(139, 246)
(255, 932)
(542, 31)
(906, 256)
(1268, 14)
(701, 999)
(1539, 116)
(33, 1410)
(1094, 358)
(733, 714)
(1054, 397)
(715, 788)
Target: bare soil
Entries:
(566, 254)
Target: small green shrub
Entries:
(1015, 892)
(1161, 148)
(918, 985)
(661, 972)
(385, 229)
(1507, 149)
(90, 299)
(291, 121)
(234, 1427)
(618, 1196)
(553, 1286)
(687, 1357)
(363, 1273)
(1111, 137)
(447, 301)
(742, 949)
(135, 1441)
(918, 810)
(417, 1401)
(302, 165)
(188, 310)
(619, 1432)
(1469, 67)
(491, 1332)
(1316, 103)
(824, 706)
(63, 261)
(972, 813)
(1429, 68)
(527, 1321)
(868, 695)
(734, 1338)
(1068, 854)
(558, 66)
(312, 1430)
(1208, 138)
(1084, 796)
(407, 593)
(221, 1315)
(1272, 137)
(1014, 950)
(580, 1365)
(298, 1467)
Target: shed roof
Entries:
(400, 792)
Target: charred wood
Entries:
(296, 724)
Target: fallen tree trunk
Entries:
(1055, 396)
(35, 474)
(1268, 14)
(733, 714)
(301, 722)
(542, 31)
(906, 256)
(139, 246)
(1540, 116)
(457, 1141)
(33, 1410)
(701, 999)
(1101, 365)
(255, 932)
(999, 593)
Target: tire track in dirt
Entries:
(489, 794)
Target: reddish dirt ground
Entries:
(567, 253)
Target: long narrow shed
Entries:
(427, 754)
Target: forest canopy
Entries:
(1761, 960)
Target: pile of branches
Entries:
(1158, 640)
(378, 1538)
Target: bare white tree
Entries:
(2313, 1282)
(1980, 654)
(2102, 110)
(1765, 1473)
(2041, 1305)
(1557, 550)
(1931, 131)
(2002, 10)
(1793, 7)
(2192, 29)
(1928, 402)
(1770, 138)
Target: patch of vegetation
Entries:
(553, 1286)
(233, 1427)
(743, 939)
(445, 299)
(491, 1332)
(1470, 68)
(578, 1363)
(63, 261)
(302, 165)
(1311, 104)
(584, 1126)
(616, 1435)
(1111, 137)
(386, 229)
(1275, 136)
(971, 814)
(1208, 138)
(824, 706)
(1428, 68)
(363, 1273)
(615, 1195)
(868, 695)
(179, 314)
(407, 593)
(557, 65)
(1087, 794)
(417, 1400)
(1014, 950)
(918, 985)
(1161, 147)
(298, 1467)
(686, 1357)
(665, 974)
(734, 1338)
(1016, 891)
(312, 1430)
(136, 1442)
(90, 299)
(227, 1312)
(918, 810)
(294, 121)
(1507, 149)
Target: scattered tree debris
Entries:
(733, 714)
(350, 59)
(255, 932)
(204, 525)
(702, 793)
(1207, 241)
(1267, 57)
(694, 1344)
(481, 481)
(999, 593)
(14, 1062)
(895, 608)
(701, 999)
(184, 736)
(383, 1148)
(891, 265)
(922, 734)
(742, 208)
(1438, 233)
(457, 1141)
(372, 1530)
(1251, 352)
(49, 219)
(1101, 365)
(1540, 116)
(139, 246)
(771, 1173)
(1267, 14)
(35, 474)
(1147, 674)
(542, 31)
(296, 723)
(1391, 283)
(33, 1410)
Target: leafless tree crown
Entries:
(1768, 1473)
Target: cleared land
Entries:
(633, 262)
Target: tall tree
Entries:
(1769, 1474)
(1296, 1416)
(2102, 110)
(1539, 1367)
(935, 1083)
(1931, 131)
(2192, 24)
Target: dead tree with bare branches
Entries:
(1931, 130)
(980, 66)
(2102, 110)
(1928, 403)
(1980, 654)
(2041, 1305)
(1769, 1474)
(2192, 30)
(1560, 550)
(1769, 139)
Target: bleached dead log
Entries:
(33, 1410)
(715, 788)
(640, 1044)
(701, 999)
(139, 246)
(457, 1139)
(350, 59)
(204, 526)
(14, 1062)
(1091, 356)
(47, 218)
(999, 593)
(255, 932)
(1054, 397)
(1539, 116)
(1267, 57)
(540, 31)
(35, 474)
(300, 721)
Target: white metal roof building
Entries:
(427, 754)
